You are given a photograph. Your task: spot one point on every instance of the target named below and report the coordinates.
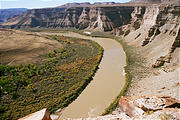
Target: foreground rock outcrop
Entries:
(146, 108)
(40, 115)
(134, 107)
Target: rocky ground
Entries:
(132, 108)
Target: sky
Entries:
(30, 4)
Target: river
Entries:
(106, 84)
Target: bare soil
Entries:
(18, 47)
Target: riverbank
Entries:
(141, 77)
(55, 83)
(110, 73)
(132, 61)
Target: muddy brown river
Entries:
(106, 84)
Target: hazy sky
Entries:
(45, 3)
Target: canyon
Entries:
(150, 27)
(120, 19)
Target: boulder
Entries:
(138, 106)
(39, 115)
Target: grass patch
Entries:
(54, 84)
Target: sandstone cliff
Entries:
(156, 25)
(101, 18)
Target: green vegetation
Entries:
(54, 84)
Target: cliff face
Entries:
(102, 18)
(159, 25)
(139, 23)
(36, 17)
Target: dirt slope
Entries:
(17, 47)
(157, 41)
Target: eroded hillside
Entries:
(17, 47)
(157, 40)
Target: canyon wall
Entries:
(139, 23)
(101, 18)
(158, 31)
